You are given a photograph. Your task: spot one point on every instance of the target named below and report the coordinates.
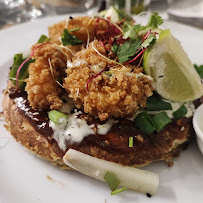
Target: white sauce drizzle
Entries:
(76, 63)
(74, 130)
(104, 128)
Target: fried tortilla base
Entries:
(162, 146)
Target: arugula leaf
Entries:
(128, 49)
(43, 39)
(199, 70)
(112, 180)
(155, 20)
(148, 41)
(17, 61)
(69, 39)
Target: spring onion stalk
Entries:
(130, 141)
(57, 117)
(181, 112)
(129, 177)
(160, 120)
(43, 39)
(155, 103)
(144, 122)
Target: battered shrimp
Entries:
(41, 86)
(115, 92)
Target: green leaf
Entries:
(17, 61)
(128, 49)
(155, 20)
(118, 190)
(69, 39)
(115, 48)
(148, 41)
(199, 70)
(112, 180)
(43, 39)
(131, 31)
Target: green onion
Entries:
(130, 141)
(160, 120)
(43, 39)
(144, 122)
(57, 117)
(181, 112)
(118, 190)
(112, 180)
(75, 29)
(155, 103)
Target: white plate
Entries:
(24, 177)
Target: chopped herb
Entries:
(118, 190)
(57, 117)
(131, 31)
(130, 141)
(151, 38)
(69, 39)
(155, 20)
(75, 29)
(144, 122)
(115, 48)
(128, 49)
(181, 112)
(160, 120)
(17, 61)
(112, 180)
(43, 39)
(199, 70)
(155, 103)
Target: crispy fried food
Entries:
(119, 94)
(41, 86)
(112, 147)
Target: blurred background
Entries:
(13, 12)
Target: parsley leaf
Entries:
(69, 39)
(112, 180)
(17, 61)
(128, 49)
(199, 70)
(115, 48)
(131, 31)
(155, 20)
(148, 41)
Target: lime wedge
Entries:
(174, 76)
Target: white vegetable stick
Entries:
(130, 177)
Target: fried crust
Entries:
(162, 146)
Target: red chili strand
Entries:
(94, 77)
(135, 57)
(146, 36)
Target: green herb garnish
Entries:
(144, 122)
(69, 39)
(57, 117)
(148, 41)
(17, 61)
(155, 103)
(43, 39)
(113, 182)
(160, 120)
(155, 20)
(130, 141)
(128, 49)
(181, 112)
(199, 70)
